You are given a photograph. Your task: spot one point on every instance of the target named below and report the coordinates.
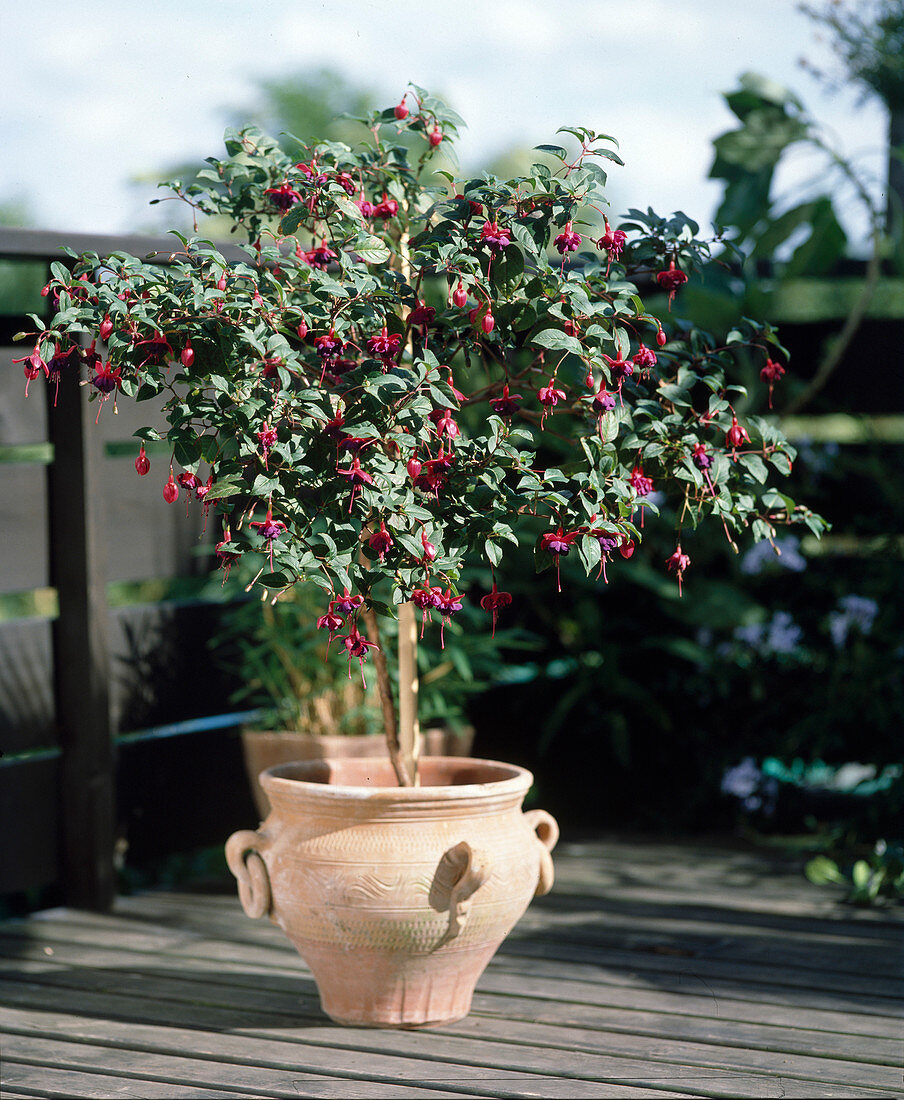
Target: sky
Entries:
(97, 93)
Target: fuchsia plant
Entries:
(407, 372)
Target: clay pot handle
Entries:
(247, 864)
(547, 829)
(471, 870)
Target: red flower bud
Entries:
(188, 354)
(221, 283)
(106, 327)
(488, 322)
(401, 111)
(660, 337)
(302, 329)
(171, 490)
(436, 136)
(460, 297)
(413, 467)
(142, 462)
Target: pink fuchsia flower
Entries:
(568, 240)
(447, 605)
(320, 256)
(346, 604)
(772, 372)
(267, 439)
(612, 242)
(677, 564)
(493, 602)
(507, 405)
(619, 369)
(384, 346)
(381, 541)
(558, 543)
(644, 359)
(106, 380)
(429, 549)
(641, 484)
(388, 208)
(34, 364)
(422, 314)
(270, 530)
(549, 397)
(495, 236)
(445, 425)
(701, 459)
(142, 462)
(357, 476)
(331, 622)
(283, 197)
(434, 473)
(735, 437)
(426, 599)
(671, 279)
(158, 350)
(356, 645)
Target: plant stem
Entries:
(403, 773)
(409, 730)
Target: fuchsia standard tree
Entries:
(409, 372)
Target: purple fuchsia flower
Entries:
(283, 197)
(495, 236)
(384, 346)
(346, 604)
(158, 350)
(644, 358)
(422, 314)
(558, 543)
(568, 240)
(269, 530)
(320, 256)
(507, 405)
(386, 208)
(549, 397)
(356, 645)
(602, 402)
(106, 380)
(226, 558)
(357, 476)
(677, 564)
(494, 601)
(447, 605)
(619, 370)
(426, 599)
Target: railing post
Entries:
(75, 497)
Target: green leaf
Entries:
(553, 150)
(372, 250)
(556, 340)
(493, 551)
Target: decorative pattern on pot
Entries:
(396, 897)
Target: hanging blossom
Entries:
(612, 242)
(495, 236)
(494, 601)
(269, 530)
(356, 645)
(568, 240)
(670, 280)
(507, 405)
(677, 564)
(558, 543)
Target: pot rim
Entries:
(515, 782)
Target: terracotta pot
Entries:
(396, 897)
(266, 748)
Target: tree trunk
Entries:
(409, 731)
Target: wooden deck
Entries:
(651, 970)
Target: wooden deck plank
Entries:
(651, 971)
(81, 966)
(265, 1002)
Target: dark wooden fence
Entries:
(111, 713)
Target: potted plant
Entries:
(308, 708)
(406, 374)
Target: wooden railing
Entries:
(77, 523)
